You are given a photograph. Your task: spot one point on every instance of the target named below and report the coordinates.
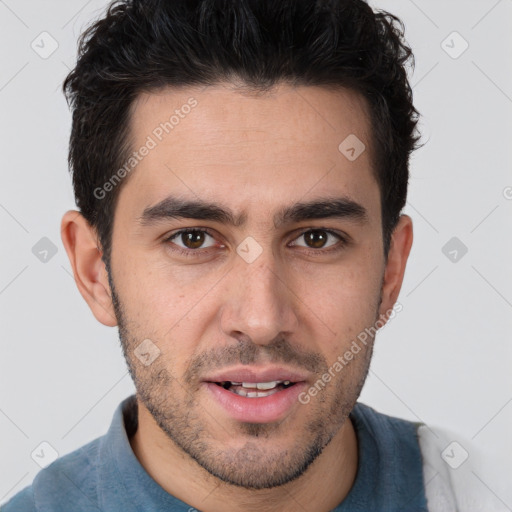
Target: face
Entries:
(247, 248)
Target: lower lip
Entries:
(259, 409)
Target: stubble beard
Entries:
(176, 410)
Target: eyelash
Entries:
(342, 242)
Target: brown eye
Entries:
(317, 239)
(192, 239)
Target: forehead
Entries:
(302, 113)
(220, 142)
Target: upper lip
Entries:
(254, 374)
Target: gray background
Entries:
(445, 359)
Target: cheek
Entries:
(157, 292)
(344, 301)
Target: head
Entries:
(240, 171)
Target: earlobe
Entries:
(400, 247)
(82, 247)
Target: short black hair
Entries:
(144, 45)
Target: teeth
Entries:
(255, 389)
(266, 385)
(260, 385)
(254, 394)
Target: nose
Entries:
(259, 302)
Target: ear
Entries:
(400, 247)
(82, 246)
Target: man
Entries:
(240, 168)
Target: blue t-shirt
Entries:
(105, 475)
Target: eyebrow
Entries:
(178, 208)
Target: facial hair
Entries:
(173, 403)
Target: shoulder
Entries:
(21, 502)
(384, 427)
(454, 469)
(451, 466)
(66, 482)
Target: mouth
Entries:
(256, 395)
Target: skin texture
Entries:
(295, 305)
